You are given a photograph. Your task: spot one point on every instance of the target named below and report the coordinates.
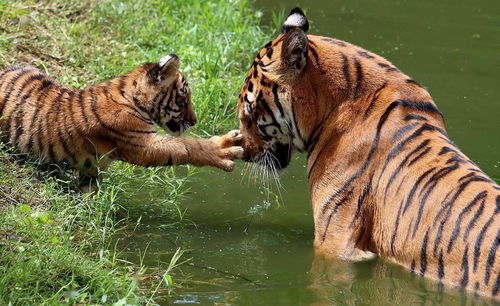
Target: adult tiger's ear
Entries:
(295, 44)
(165, 69)
(296, 19)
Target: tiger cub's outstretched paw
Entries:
(228, 149)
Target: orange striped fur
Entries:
(385, 179)
(114, 120)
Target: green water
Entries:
(248, 250)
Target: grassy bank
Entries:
(56, 244)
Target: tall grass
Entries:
(56, 244)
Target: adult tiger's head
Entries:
(305, 88)
(160, 90)
(266, 101)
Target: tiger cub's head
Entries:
(161, 90)
(265, 106)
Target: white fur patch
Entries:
(250, 97)
(295, 20)
(165, 60)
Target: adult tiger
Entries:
(384, 177)
(114, 120)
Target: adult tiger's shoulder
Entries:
(114, 120)
(384, 176)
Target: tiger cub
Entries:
(114, 120)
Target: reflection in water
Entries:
(377, 282)
(451, 47)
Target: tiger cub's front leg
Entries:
(157, 150)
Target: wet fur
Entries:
(384, 176)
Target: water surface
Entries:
(248, 250)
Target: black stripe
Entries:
(115, 132)
(93, 107)
(18, 109)
(418, 157)
(497, 286)
(396, 227)
(382, 120)
(423, 254)
(403, 131)
(414, 188)
(7, 70)
(479, 241)
(459, 191)
(339, 204)
(408, 231)
(54, 110)
(250, 86)
(81, 102)
(10, 86)
(400, 166)
(429, 187)
(365, 54)
(467, 209)
(312, 141)
(414, 117)
(19, 122)
(445, 150)
(359, 78)
(467, 176)
(491, 258)
(412, 266)
(441, 265)
(264, 104)
(147, 121)
(423, 201)
(335, 42)
(269, 53)
(448, 208)
(375, 98)
(410, 81)
(361, 200)
(35, 123)
(316, 58)
(277, 100)
(395, 151)
(473, 221)
(62, 132)
(427, 107)
(465, 268)
(347, 76)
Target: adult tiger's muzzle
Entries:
(278, 157)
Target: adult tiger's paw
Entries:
(228, 149)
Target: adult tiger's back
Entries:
(384, 177)
(114, 120)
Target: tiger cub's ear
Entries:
(165, 69)
(295, 44)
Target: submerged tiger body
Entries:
(114, 120)
(384, 176)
